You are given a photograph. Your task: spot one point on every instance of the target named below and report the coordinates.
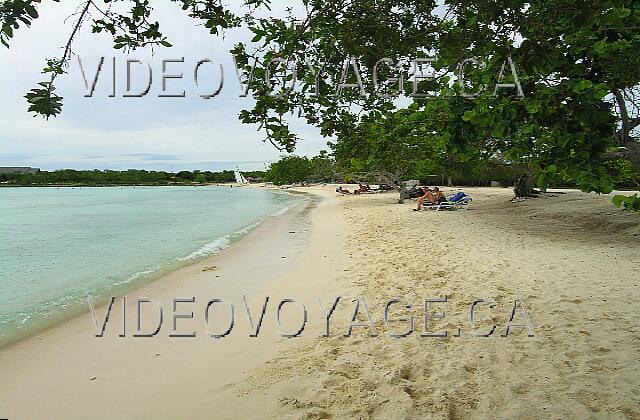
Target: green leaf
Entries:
(618, 200)
(601, 46)
(582, 85)
(624, 13)
(533, 107)
(31, 11)
(630, 203)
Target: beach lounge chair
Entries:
(458, 201)
(373, 189)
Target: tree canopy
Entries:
(291, 169)
(547, 85)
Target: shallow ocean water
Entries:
(60, 245)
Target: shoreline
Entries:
(137, 280)
(570, 257)
(206, 184)
(263, 262)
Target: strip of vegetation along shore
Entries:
(111, 178)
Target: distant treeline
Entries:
(478, 172)
(324, 168)
(128, 177)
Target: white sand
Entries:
(572, 258)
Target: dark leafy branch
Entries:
(131, 30)
(578, 66)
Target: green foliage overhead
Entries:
(575, 62)
(14, 14)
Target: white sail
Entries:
(240, 179)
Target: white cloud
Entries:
(111, 132)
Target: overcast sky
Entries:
(119, 133)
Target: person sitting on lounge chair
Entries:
(426, 196)
(342, 191)
(440, 197)
(432, 197)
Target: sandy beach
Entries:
(571, 257)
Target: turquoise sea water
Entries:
(61, 244)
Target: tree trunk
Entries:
(622, 138)
(524, 186)
(395, 181)
(403, 194)
(633, 151)
(624, 116)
